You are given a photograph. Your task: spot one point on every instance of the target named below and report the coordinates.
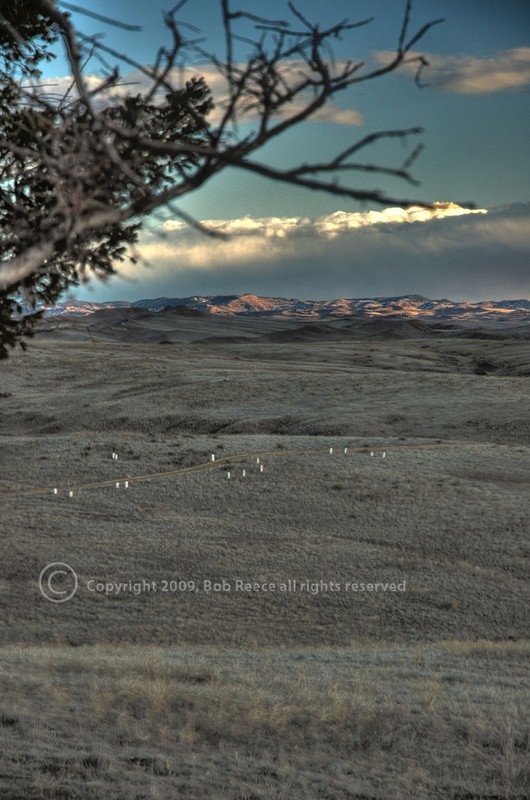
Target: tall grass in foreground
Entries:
(444, 720)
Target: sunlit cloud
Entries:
(508, 70)
(324, 227)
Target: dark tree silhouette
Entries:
(79, 170)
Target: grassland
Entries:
(419, 693)
(423, 721)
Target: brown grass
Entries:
(438, 721)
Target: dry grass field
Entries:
(151, 682)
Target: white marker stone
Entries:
(228, 474)
(244, 473)
(55, 491)
(126, 484)
(213, 456)
(384, 455)
(331, 451)
(345, 449)
(261, 467)
(70, 494)
(257, 460)
(372, 454)
(117, 485)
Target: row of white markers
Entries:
(125, 485)
(346, 450)
(244, 472)
(229, 473)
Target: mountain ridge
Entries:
(408, 305)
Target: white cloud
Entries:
(325, 227)
(508, 70)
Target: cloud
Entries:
(446, 252)
(328, 113)
(292, 72)
(324, 227)
(135, 82)
(507, 71)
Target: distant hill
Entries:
(250, 305)
(182, 311)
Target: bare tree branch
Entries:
(108, 20)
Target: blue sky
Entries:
(475, 114)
